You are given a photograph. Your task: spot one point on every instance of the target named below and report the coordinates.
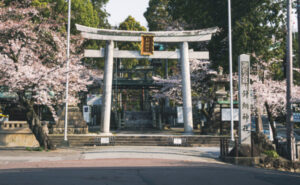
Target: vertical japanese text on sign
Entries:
(147, 45)
(244, 100)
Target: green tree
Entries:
(157, 15)
(257, 27)
(85, 12)
(102, 14)
(131, 24)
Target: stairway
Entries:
(137, 140)
(138, 120)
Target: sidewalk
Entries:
(23, 158)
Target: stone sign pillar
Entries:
(186, 88)
(244, 100)
(107, 87)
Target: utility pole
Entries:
(230, 69)
(289, 82)
(68, 63)
(298, 17)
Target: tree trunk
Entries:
(35, 124)
(208, 114)
(271, 120)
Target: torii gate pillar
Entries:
(107, 87)
(186, 88)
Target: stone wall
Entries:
(17, 134)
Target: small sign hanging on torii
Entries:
(147, 45)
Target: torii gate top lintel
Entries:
(135, 36)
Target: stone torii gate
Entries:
(182, 37)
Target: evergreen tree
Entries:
(157, 15)
(130, 24)
(102, 14)
(84, 12)
(257, 27)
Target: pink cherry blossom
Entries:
(33, 59)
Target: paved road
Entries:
(131, 166)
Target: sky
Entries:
(119, 10)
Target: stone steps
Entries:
(172, 140)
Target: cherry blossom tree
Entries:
(33, 59)
(200, 82)
(203, 86)
(270, 96)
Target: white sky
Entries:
(119, 10)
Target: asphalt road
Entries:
(132, 166)
(183, 174)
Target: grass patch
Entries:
(36, 149)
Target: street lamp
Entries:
(68, 61)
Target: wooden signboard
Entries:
(147, 45)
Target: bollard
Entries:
(236, 147)
(221, 147)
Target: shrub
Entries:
(271, 153)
